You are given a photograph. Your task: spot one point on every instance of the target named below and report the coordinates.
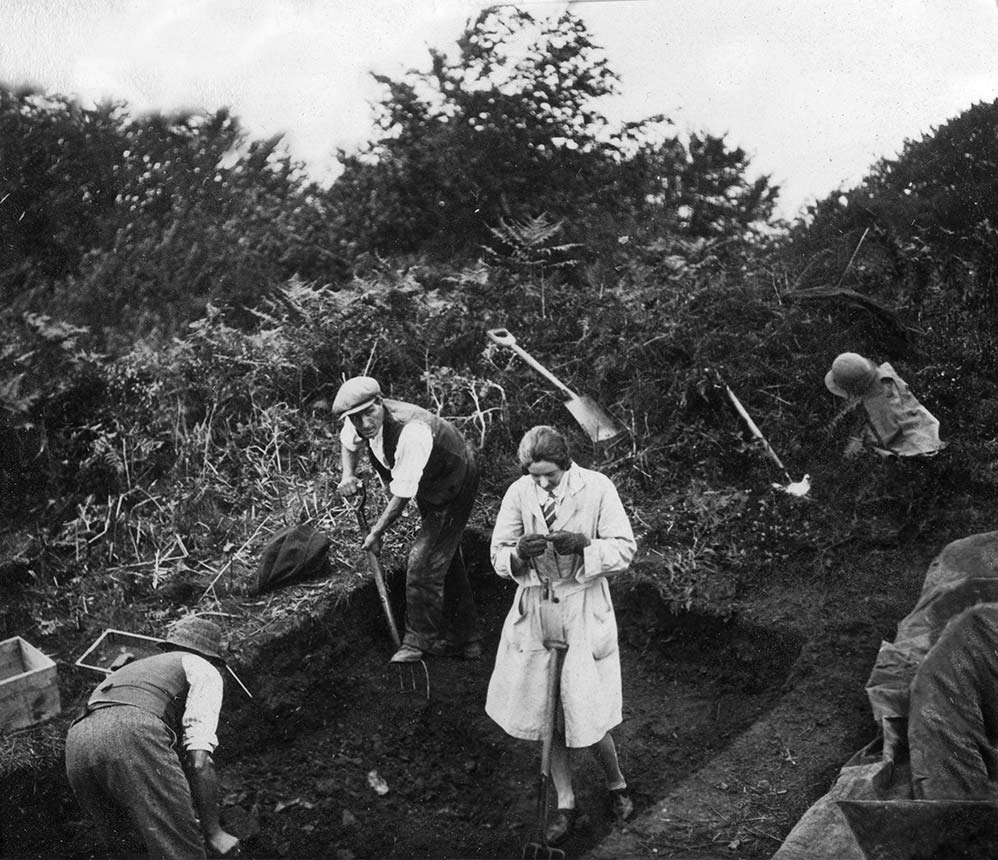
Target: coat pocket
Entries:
(524, 628)
(602, 624)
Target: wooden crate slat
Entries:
(29, 689)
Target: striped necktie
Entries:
(548, 509)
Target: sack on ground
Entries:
(293, 554)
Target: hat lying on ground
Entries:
(355, 394)
(851, 375)
(293, 554)
(196, 634)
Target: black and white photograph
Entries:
(556, 429)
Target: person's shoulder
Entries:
(590, 477)
(587, 473)
(195, 663)
(519, 485)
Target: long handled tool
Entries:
(590, 415)
(555, 643)
(794, 488)
(412, 677)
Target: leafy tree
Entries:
(510, 129)
(927, 216)
(129, 226)
(59, 179)
(206, 216)
(498, 132)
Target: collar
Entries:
(571, 483)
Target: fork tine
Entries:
(413, 678)
(540, 851)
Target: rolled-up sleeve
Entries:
(204, 704)
(411, 456)
(349, 437)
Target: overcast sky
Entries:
(814, 92)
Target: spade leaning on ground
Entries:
(123, 759)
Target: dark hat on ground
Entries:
(196, 634)
(293, 554)
(355, 394)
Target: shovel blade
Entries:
(591, 417)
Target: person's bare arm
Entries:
(204, 791)
(349, 482)
(393, 510)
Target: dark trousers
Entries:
(123, 769)
(439, 602)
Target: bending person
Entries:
(895, 424)
(422, 456)
(143, 749)
(566, 525)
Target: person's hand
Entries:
(530, 546)
(372, 543)
(854, 447)
(568, 543)
(349, 487)
(223, 844)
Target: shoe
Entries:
(450, 648)
(407, 654)
(559, 826)
(623, 806)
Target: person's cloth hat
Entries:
(196, 634)
(293, 554)
(851, 375)
(354, 395)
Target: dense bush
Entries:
(240, 298)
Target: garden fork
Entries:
(412, 677)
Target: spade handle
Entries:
(503, 337)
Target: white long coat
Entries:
(590, 681)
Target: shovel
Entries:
(412, 677)
(794, 488)
(590, 415)
(555, 643)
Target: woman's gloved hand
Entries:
(568, 543)
(531, 545)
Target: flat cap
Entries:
(355, 394)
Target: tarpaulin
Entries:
(925, 787)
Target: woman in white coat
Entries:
(585, 537)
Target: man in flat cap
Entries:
(423, 457)
(141, 754)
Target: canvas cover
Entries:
(925, 787)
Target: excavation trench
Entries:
(297, 759)
(328, 714)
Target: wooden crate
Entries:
(29, 689)
(113, 648)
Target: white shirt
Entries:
(204, 703)
(411, 456)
